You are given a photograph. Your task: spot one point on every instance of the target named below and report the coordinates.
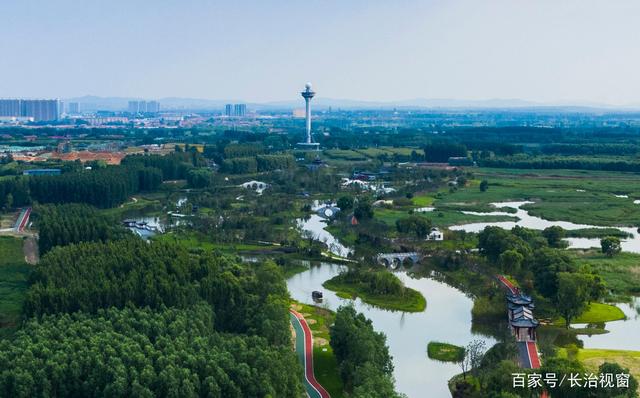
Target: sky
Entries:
(549, 51)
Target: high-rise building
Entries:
(73, 108)
(237, 110)
(10, 107)
(133, 106)
(143, 107)
(153, 106)
(41, 109)
(240, 110)
(38, 109)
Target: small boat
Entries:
(316, 295)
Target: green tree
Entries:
(363, 210)
(511, 261)
(345, 203)
(484, 185)
(362, 354)
(616, 369)
(610, 245)
(573, 295)
(554, 235)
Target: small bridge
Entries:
(394, 260)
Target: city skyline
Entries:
(573, 52)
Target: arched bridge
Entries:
(394, 260)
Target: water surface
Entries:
(447, 319)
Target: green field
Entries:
(444, 352)
(558, 194)
(195, 240)
(438, 218)
(597, 313)
(620, 272)
(412, 301)
(592, 358)
(13, 282)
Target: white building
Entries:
(435, 234)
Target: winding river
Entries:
(528, 221)
(446, 319)
(448, 314)
(622, 334)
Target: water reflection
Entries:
(447, 318)
(623, 335)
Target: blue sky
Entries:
(540, 50)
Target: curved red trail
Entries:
(308, 356)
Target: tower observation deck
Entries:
(307, 94)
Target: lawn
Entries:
(444, 352)
(597, 313)
(14, 274)
(325, 366)
(411, 301)
(423, 200)
(438, 218)
(592, 358)
(11, 250)
(195, 240)
(345, 154)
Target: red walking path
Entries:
(23, 219)
(529, 357)
(304, 347)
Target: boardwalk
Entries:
(304, 348)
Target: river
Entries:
(448, 314)
(528, 221)
(623, 335)
(446, 319)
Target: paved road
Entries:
(304, 349)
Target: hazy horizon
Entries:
(573, 52)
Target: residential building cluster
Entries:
(235, 110)
(37, 110)
(143, 107)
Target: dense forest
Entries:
(143, 353)
(162, 321)
(103, 188)
(91, 276)
(60, 225)
(563, 162)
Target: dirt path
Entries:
(30, 248)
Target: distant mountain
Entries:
(94, 103)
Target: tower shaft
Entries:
(308, 118)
